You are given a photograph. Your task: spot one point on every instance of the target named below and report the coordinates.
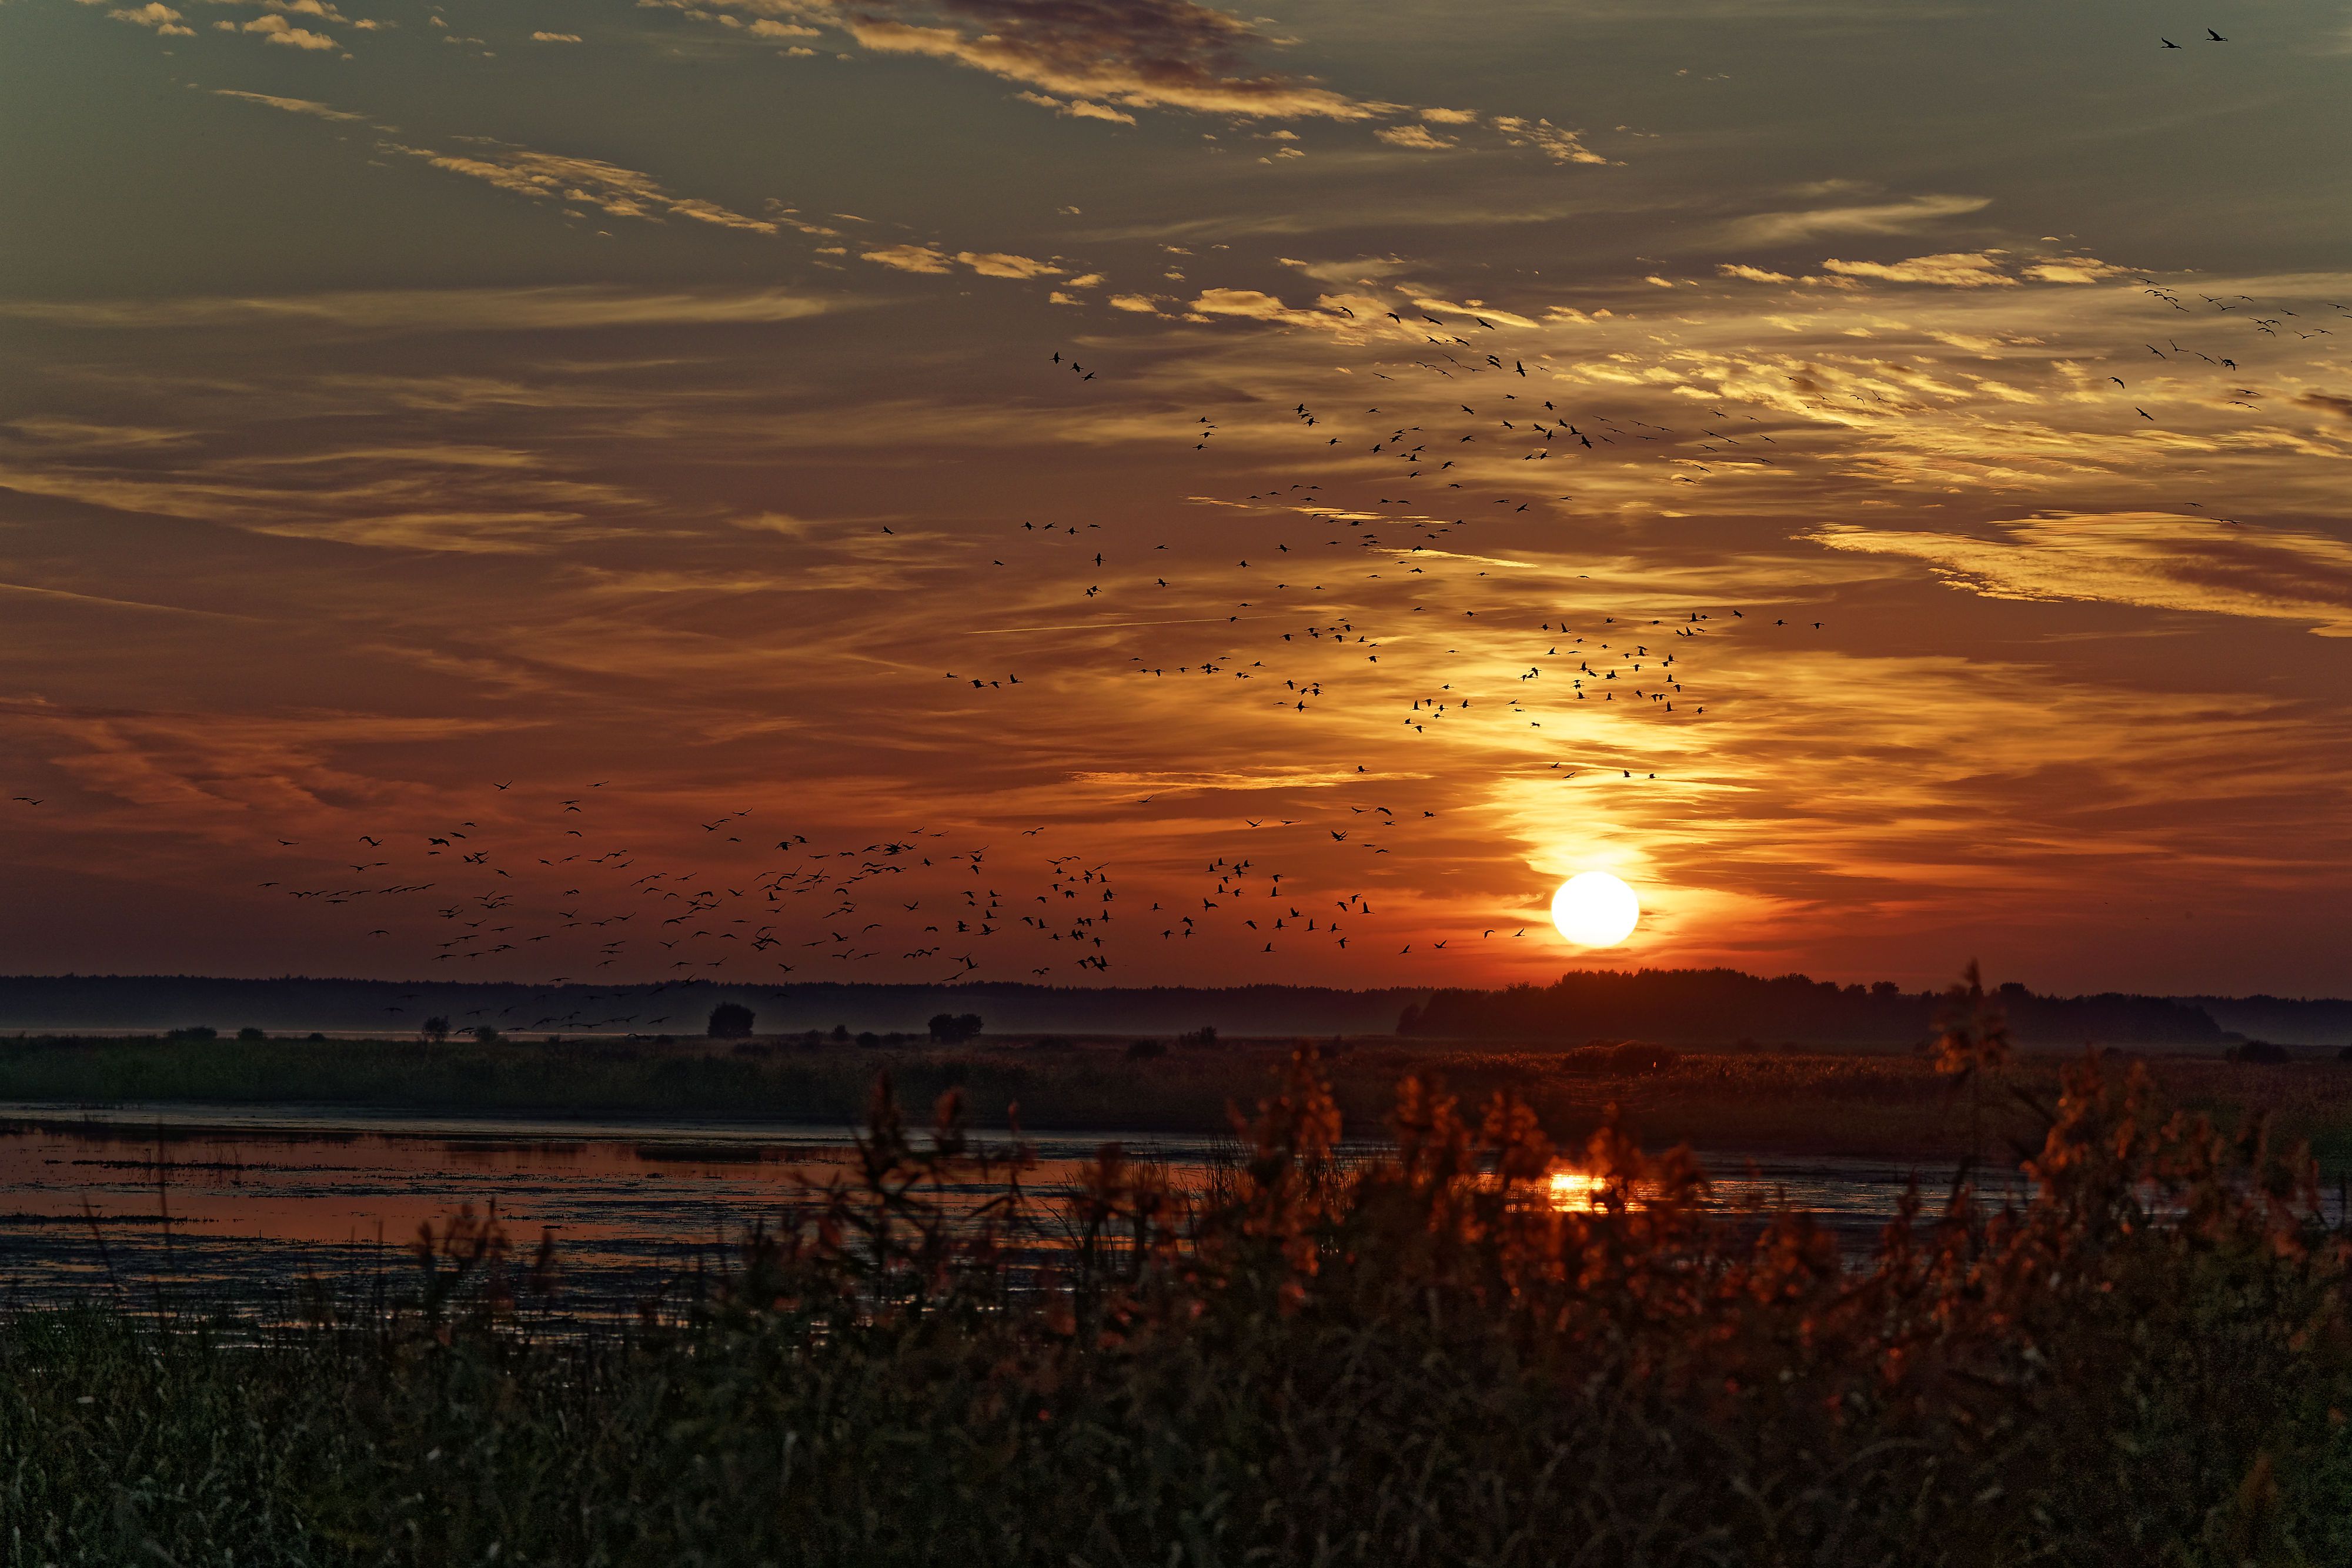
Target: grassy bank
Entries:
(1426, 1361)
(1794, 1101)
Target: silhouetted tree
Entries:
(435, 1029)
(485, 1034)
(730, 1021)
(954, 1029)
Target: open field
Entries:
(1430, 1359)
(1890, 1104)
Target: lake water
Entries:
(240, 1201)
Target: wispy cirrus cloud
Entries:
(290, 105)
(435, 309)
(1104, 59)
(931, 259)
(592, 182)
(631, 194)
(2161, 560)
(1969, 269)
(1904, 216)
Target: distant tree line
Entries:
(1727, 1005)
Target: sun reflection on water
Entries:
(1573, 1190)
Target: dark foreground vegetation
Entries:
(1424, 1359)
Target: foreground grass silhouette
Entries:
(1424, 1359)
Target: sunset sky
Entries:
(652, 409)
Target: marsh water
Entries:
(214, 1201)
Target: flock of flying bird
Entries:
(1050, 912)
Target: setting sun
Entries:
(1594, 909)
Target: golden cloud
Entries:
(1561, 146)
(162, 18)
(1256, 306)
(999, 264)
(290, 105)
(275, 29)
(1079, 108)
(608, 187)
(909, 259)
(1417, 138)
(1871, 218)
(2161, 561)
(2073, 269)
(1948, 269)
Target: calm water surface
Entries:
(240, 1199)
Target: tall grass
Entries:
(1422, 1359)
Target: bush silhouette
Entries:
(730, 1021)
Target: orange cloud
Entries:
(2157, 560)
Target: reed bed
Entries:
(1422, 1358)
